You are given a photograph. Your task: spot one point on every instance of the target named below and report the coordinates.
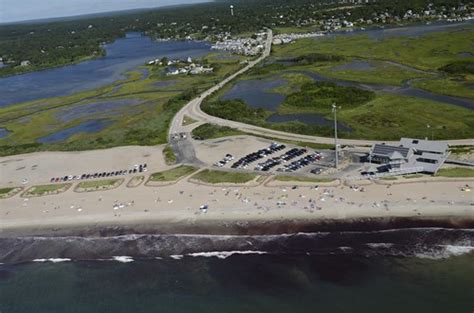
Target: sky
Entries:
(23, 10)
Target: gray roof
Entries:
(387, 150)
(424, 145)
(395, 155)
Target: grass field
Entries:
(100, 184)
(188, 120)
(46, 189)
(173, 174)
(456, 172)
(220, 177)
(289, 178)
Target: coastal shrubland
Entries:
(319, 97)
(211, 131)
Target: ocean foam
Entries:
(177, 256)
(53, 260)
(123, 259)
(376, 245)
(223, 254)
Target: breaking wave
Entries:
(434, 243)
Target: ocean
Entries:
(410, 270)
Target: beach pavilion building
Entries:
(409, 156)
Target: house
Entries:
(25, 63)
(410, 155)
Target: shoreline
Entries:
(243, 227)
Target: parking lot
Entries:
(42, 167)
(261, 155)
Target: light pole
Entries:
(336, 160)
(428, 126)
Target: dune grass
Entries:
(218, 177)
(173, 174)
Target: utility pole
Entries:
(336, 160)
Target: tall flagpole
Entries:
(336, 160)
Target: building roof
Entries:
(388, 150)
(425, 145)
(395, 155)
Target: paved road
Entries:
(193, 110)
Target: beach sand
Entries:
(178, 204)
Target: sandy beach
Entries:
(179, 203)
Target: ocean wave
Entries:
(376, 245)
(444, 252)
(53, 260)
(177, 256)
(123, 259)
(224, 254)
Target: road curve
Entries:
(193, 110)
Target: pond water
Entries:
(4, 132)
(102, 108)
(91, 126)
(123, 55)
(307, 118)
(255, 93)
(354, 65)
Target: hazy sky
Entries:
(21, 10)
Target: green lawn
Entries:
(188, 120)
(289, 178)
(96, 184)
(170, 157)
(456, 172)
(173, 174)
(218, 177)
(5, 191)
(45, 189)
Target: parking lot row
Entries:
(138, 168)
